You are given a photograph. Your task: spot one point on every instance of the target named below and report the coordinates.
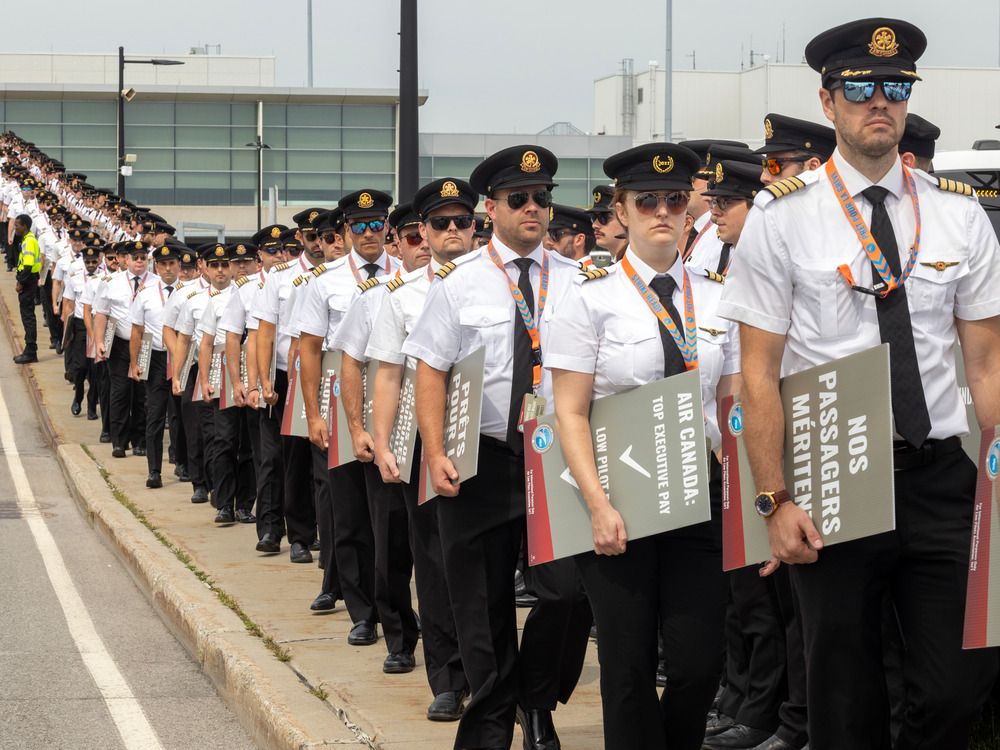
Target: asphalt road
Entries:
(85, 662)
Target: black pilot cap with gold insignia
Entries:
(574, 219)
(241, 251)
(308, 219)
(602, 195)
(718, 153)
(403, 215)
(212, 251)
(269, 235)
(872, 48)
(735, 179)
(517, 166)
(783, 133)
(444, 192)
(134, 249)
(701, 146)
(653, 166)
(919, 137)
(166, 253)
(365, 202)
(330, 220)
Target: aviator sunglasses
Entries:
(863, 91)
(376, 225)
(519, 198)
(647, 203)
(774, 166)
(441, 223)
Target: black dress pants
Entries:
(52, 321)
(792, 714)
(191, 413)
(672, 582)
(26, 304)
(76, 357)
(128, 400)
(481, 531)
(175, 426)
(442, 658)
(353, 543)
(923, 566)
(231, 459)
(104, 393)
(299, 509)
(157, 397)
(393, 562)
(271, 473)
(324, 522)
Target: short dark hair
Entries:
(24, 220)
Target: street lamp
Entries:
(259, 144)
(124, 95)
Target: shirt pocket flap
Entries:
(622, 332)
(340, 302)
(940, 270)
(483, 316)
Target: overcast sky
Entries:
(500, 66)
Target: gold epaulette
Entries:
(215, 293)
(105, 278)
(394, 284)
(280, 267)
(241, 281)
(260, 284)
(954, 186)
(596, 273)
(445, 269)
(192, 294)
(719, 278)
(141, 287)
(367, 284)
(319, 269)
(178, 285)
(784, 187)
(298, 280)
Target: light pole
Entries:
(259, 144)
(121, 107)
(409, 162)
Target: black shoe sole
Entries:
(442, 717)
(268, 550)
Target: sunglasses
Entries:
(295, 252)
(411, 238)
(602, 219)
(647, 203)
(441, 223)
(217, 264)
(328, 237)
(557, 234)
(271, 250)
(774, 166)
(310, 236)
(724, 203)
(376, 225)
(520, 198)
(863, 91)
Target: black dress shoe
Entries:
(269, 543)
(74, 408)
(538, 730)
(314, 547)
(200, 495)
(447, 706)
(181, 472)
(245, 516)
(58, 348)
(140, 451)
(774, 742)
(105, 437)
(737, 737)
(53, 345)
(25, 359)
(363, 633)
(225, 516)
(399, 663)
(118, 452)
(717, 724)
(299, 553)
(91, 415)
(324, 603)
(153, 481)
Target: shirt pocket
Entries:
(491, 327)
(828, 308)
(931, 292)
(631, 353)
(710, 353)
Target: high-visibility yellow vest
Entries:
(30, 256)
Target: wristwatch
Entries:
(767, 502)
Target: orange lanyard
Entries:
(865, 237)
(530, 321)
(687, 342)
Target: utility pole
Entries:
(309, 45)
(668, 66)
(409, 127)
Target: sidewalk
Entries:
(288, 674)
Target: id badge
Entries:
(532, 407)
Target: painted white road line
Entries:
(130, 720)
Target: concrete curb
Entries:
(249, 679)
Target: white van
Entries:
(979, 168)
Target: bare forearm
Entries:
(265, 346)
(981, 353)
(310, 364)
(352, 391)
(764, 432)
(431, 390)
(233, 356)
(181, 353)
(134, 343)
(386, 402)
(252, 358)
(100, 325)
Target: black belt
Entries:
(905, 456)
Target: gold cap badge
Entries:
(241, 249)
(597, 197)
(883, 42)
(275, 232)
(719, 174)
(530, 162)
(365, 200)
(663, 165)
(312, 216)
(165, 251)
(449, 190)
(138, 246)
(768, 129)
(219, 251)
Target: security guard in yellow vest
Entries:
(29, 265)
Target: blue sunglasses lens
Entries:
(863, 91)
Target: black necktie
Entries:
(727, 248)
(521, 374)
(673, 360)
(135, 285)
(909, 407)
(372, 269)
(692, 236)
(170, 290)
